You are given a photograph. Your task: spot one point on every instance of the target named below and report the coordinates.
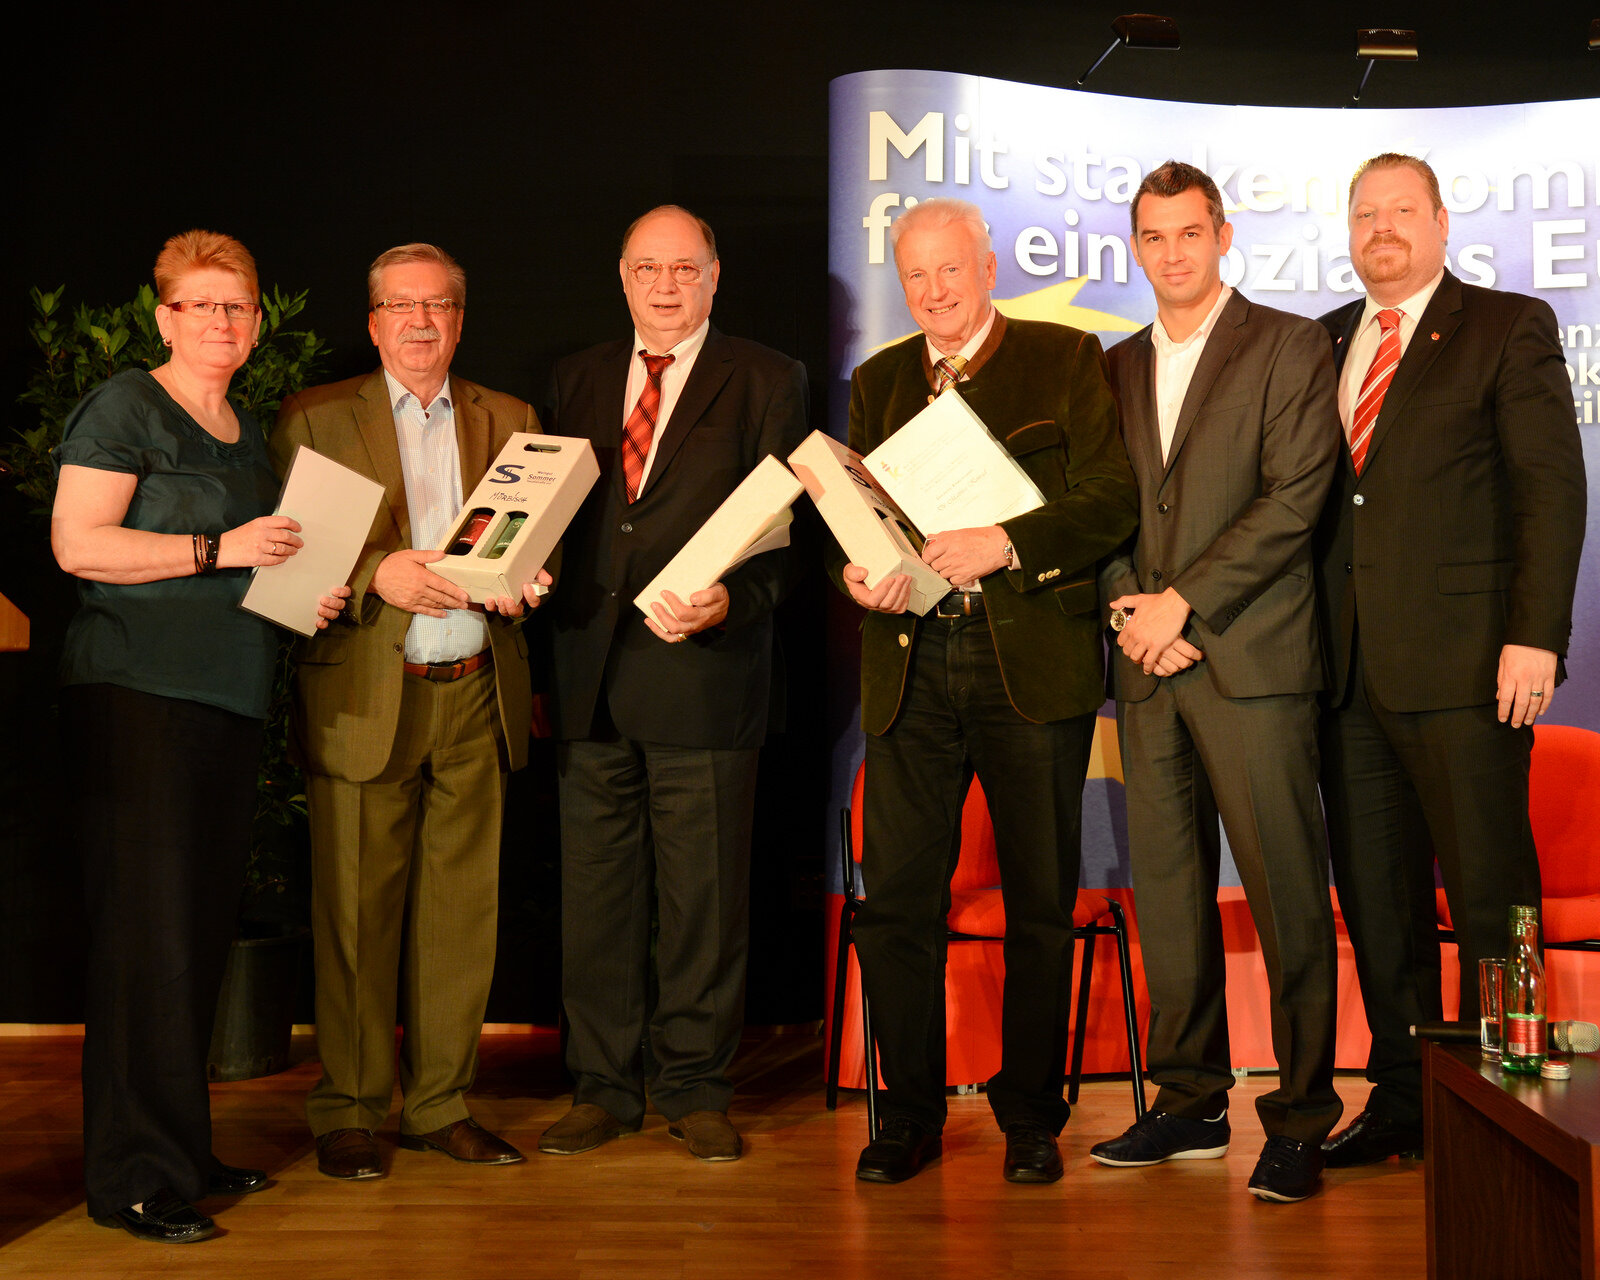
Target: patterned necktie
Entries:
(947, 372)
(1379, 375)
(641, 424)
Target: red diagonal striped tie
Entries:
(641, 424)
(1379, 375)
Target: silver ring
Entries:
(1536, 693)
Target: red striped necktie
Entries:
(641, 425)
(1379, 375)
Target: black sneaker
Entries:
(1158, 1136)
(1287, 1171)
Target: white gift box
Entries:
(873, 531)
(512, 521)
(754, 518)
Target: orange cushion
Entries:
(981, 912)
(1571, 919)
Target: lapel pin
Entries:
(1434, 335)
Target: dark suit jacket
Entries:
(1044, 396)
(347, 687)
(1227, 521)
(741, 402)
(1464, 531)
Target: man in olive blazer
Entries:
(1447, 564)
(1231, 423)
(408, 716)
(1002, 681)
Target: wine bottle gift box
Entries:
(512, 521)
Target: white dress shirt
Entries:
(971, 346)
(431, 464)
(672, 379)
(1364, 346)
(1175, 366)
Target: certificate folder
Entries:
(873, 531)
(334, 507)
(754, 518)
(946, 471)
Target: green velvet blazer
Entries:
(1044, 394)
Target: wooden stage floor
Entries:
(642, 1207)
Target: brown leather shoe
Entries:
(709, 1135)
(466, 1141)
(582, 1129)
(349, 1154)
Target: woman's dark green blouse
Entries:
(180, 637)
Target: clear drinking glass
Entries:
(1491, 1002)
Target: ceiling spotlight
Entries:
(1138, 31)
(1380, 44)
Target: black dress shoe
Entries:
(230, 1181)
(165, 1219)
(1370, 1138)
(1031, 1153)
(898, 1152)
(1287, 1170)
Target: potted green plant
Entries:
(76, 351)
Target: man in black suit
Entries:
(1230, 417)
(1447, 558)
(659, 721)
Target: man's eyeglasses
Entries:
(202, 307)
(405, 306)
(650, 272)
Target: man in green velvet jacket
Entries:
(1001, 679)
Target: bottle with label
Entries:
(1522, 1028)
(508, 532)
(471, 531)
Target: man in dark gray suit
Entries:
(1447, 560)
(1229, 415)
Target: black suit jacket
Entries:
(1464, 530)
(1226, 520)
(741, 402)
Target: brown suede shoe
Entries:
(582, 1129)
(349, 1154)
(709, 1135)
(466, 1141)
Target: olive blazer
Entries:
(1044, 395)
(347, 687)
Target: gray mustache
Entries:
(420, 335)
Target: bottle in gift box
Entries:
(476, 523)
(1522, 1028)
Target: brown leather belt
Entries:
(960, 604)
(446, 671)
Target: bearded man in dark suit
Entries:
(659, 721)
(1229, 415)
(1447, 557)
(1001, 679)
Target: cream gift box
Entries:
(754, 518)
(873, 531)
(512, 521)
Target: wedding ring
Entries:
(1536, 693)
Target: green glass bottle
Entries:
(1522, 1030)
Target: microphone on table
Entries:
(1574, 1037)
